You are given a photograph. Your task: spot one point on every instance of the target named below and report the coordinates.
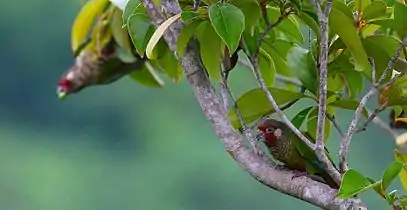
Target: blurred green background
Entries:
(122, 146)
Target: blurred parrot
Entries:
(93, 69)
(286, 147)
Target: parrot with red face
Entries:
(285, 146)
(91, 69)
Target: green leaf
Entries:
(377, 186)
(400, 18)
(369, 30)
(332, 96)
(254, 104)
(306, 19)
(402, 157)
(350, 105)
(124, 55)
(288, 26)
(278, 51)
(298, 120)
(353, 183)
(400, 65)
(303, 66)
(130, 8)
(396, 96)
(84, 21)
(344, 27)
(335, 83)
(360, 5)
(251, 39)
(228, 22)
(170, 65)
(390, 197)
(251, 11)
(397, 110)
(374, 10)
(210, 49)
(312, 124)
(100, 36)
(385, 23)
(390, 3)
(187, 16)
(267, 68)
(379, 55)
(391, 173)
(120, 34)
(354, 81)
(387, 43)
(185, 36)
(147, 76)
(343, 8)
(140, 30)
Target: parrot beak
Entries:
(61, 94)
(259, 135)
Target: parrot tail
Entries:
(328, 179)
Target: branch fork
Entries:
(303, 188)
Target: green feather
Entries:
(295, 154)
(307, 153)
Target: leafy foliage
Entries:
(358, 29)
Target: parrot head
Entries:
(66, 85)
(271, 130)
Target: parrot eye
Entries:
(269, 130)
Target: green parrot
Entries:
(289, 149)
(93, 69)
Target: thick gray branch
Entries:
(282, 180)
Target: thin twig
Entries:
(267, 31)
(391, 64)
(378, 121)
(292, 81)
(372, 116)
(275, 105)
(266, 173)
(246, 131)
(263, 6)
(296, 82)
(329, 166)
(345, 142)
(335, 123)
(280, 78)
(262, 84)
(344, 147)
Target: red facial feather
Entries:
(269, 137)
(64, 84)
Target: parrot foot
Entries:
(257, 150)
(299, 174)
(281, 167)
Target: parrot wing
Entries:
(314, 165)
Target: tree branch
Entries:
(246, 131)
(372, 116)
(296, 82)
(345, 142)
(254, 62)
(376, 85)
(390, 65)
(323, 18)
(302, 188)
(377, 120)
